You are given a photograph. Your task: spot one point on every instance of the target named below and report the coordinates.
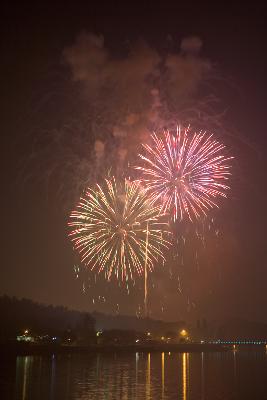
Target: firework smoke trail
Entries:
(186, 172)
(109, 229)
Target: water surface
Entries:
(237, 375)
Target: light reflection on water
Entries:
(148, 377)
(138, 376)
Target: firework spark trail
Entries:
(186, 172)
(109, 229)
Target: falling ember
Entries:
(109, 230)
(186, 172)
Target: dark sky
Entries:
(37, 260)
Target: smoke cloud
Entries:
(130, 95)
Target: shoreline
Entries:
(43, 349)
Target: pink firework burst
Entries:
(186, 172)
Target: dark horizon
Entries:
(40, 97)
(48, 320)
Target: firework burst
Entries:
(186, 172)
(117, 229)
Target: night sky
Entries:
(39, 98)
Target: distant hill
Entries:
(20, 314)
(124, 322)
(16, 315)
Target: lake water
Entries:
(237, 374)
